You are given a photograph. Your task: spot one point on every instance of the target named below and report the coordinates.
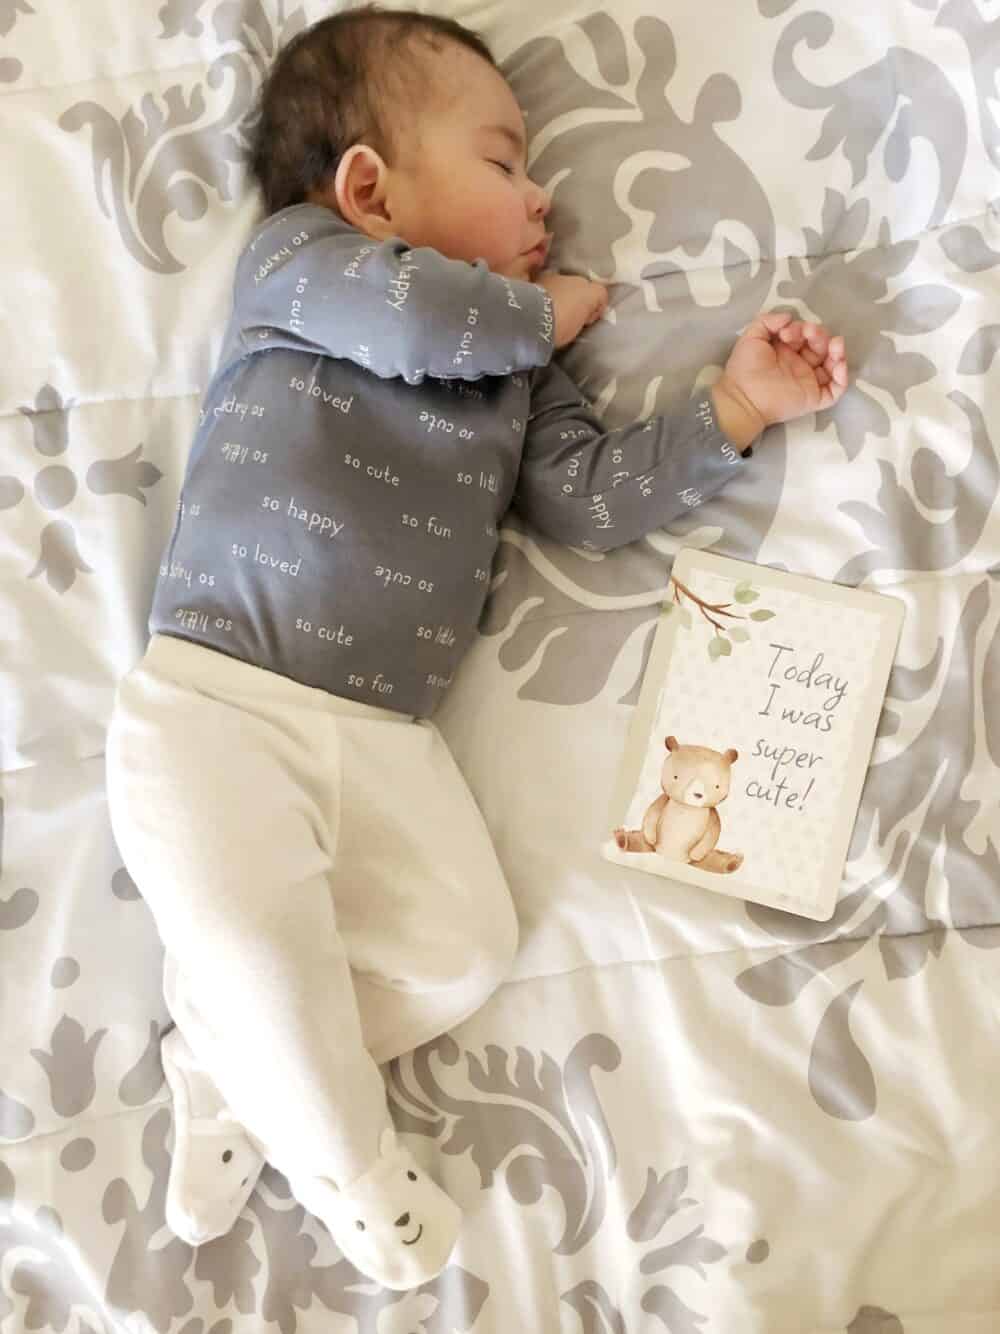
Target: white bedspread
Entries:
(679, 1114)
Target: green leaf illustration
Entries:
(761, 615)
(719, 647)
(739, 634)
(744, 593)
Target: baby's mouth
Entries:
(538, 254)
(420, 1233)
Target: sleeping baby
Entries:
(321, 877)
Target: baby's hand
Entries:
(784, 368)
(576, 302)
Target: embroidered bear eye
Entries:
(412, 1176)
(227, 1155)
(359, 1225)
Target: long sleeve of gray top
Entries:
(312, 283)
(589, 487)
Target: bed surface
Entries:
(679, 1114)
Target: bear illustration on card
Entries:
(683, 823)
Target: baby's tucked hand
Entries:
(576, 302)
(784, 367)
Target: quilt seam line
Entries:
(779, 948)
(74, 1125)
(113, 79)
(776, 260)
(97, 401)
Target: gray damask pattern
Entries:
(547, 1125)
(11, 68)
(665, 1142)
(55, 485)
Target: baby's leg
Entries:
(422, 902)
(222, 783)
(413, 838)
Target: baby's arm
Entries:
(313, 283)
(589, 487)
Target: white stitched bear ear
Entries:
(386, 1142)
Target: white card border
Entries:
(689, 562)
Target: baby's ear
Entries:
(386, 1142)
(731, 755)
(671, 743)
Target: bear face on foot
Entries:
(393, 1222)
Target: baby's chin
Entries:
(522, 268)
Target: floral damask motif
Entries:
(862, 107)
(69, 1065)
(874, 1319)
(979, 35)
(161, 158)
(936, 778)
(927, 777)
(35, 1258)
(11, 68)
(902, 536)
(598, 141)
(150, 1269)
(546, 603)
(546, 1127)
(55, 486)
(848, 288)
(19, 908)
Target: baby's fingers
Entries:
(817, 338)
(796, 339)
(767, 324)
(835, 364)
(832, 389)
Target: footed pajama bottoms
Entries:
(323, 883)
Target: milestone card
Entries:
(750, 743)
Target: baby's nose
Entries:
(539, 202)
(402, 1220)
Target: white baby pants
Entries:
(323, 883)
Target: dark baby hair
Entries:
(335, 84)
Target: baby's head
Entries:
(402, 123)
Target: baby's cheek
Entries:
(501, 230)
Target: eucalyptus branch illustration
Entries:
(721, 643)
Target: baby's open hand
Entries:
(786, 367)
(576, 302)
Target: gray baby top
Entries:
(375, 412)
